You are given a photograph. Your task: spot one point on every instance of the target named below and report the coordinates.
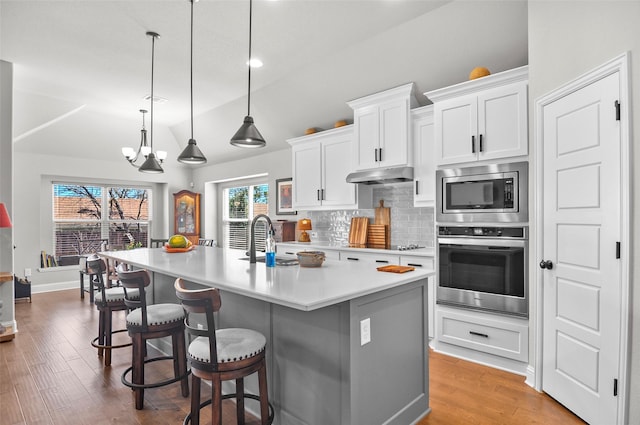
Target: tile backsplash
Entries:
(409, 225)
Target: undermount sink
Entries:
(279, 261)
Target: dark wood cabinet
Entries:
(186, 211)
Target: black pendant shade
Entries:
(248, 135)
(192, 154)
(151, 165)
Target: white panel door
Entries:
(306, 175)
(582, 213)
(367, 137)
(336, 164)
(394, 149)
(456, 128)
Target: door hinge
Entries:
(617, 250)
(617, 105)
(615, 387)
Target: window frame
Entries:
(224, 202)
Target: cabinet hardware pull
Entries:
(318, 194)
(480, 142)
(380, 154)
(382, 261)
(376, 154)
(289, 253)
(479, 334)
(322, 194)
(353, 258)
(416, 187)
(473, 144)
(414, 264)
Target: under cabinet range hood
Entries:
(382, 176)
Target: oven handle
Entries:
(516, 243)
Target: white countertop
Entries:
(302, 288)
(421, 252)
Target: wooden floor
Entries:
(50, 374)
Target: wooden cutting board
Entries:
(396, 269)
(358, 232)
(377, 236)
(383, 216)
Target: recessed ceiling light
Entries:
(255, 63)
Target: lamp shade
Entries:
(5, 220)
(192, 154)
(248, 135)
(304, 224)
(151, 165)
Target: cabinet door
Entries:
(456, 128)
(423, 134)
(306, 176)
(394, 125)
(367, 136)
(336, 164)
(502, 122)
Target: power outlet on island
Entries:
(365, 331)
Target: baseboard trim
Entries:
(57, 286)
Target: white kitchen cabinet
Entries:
(381, 129)
(320, 164)
(424, 168)
(292, 249)
(501, 336)
(483, 119)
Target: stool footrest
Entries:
(95, 344)
(130, 384)
(187, 419)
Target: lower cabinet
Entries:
(497, 335)
(370, 258)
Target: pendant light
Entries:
(248, 135)
(151, 164)
(192, 154)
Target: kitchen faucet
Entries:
(252, 249)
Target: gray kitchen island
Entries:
(346, 344)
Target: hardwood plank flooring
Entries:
(50, 374)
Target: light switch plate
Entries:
(365, 331)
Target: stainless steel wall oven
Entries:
(484, 268)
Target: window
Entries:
(240, 205)
(80, 225)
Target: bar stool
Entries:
(149, 322)
(107, 300)
(221, 355)
(157, 243)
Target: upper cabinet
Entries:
(381, 128)
(482, 119)
(320, 164)
(423, 135)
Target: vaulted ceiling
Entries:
(83, 68)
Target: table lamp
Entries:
(5, 221)
(304, 225)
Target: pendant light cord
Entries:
(191, 71)
(249, 84)
(153, 48)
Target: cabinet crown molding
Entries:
(469, 87)
(345, 129)
(403, 91)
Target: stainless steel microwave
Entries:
(495, 193)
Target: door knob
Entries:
(546, 264)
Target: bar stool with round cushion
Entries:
(107, 300)
(218, 355)
(149, 322)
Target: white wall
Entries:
(566, 40)
(33, 224)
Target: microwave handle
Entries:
(473, 144)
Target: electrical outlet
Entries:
(314, 234)
(27, 272)
(365, 331)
